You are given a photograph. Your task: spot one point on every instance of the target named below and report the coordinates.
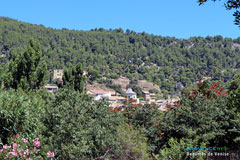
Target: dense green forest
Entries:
(110, 53)
(69, 124)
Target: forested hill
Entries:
(162, 60)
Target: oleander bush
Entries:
(19, 113)
(19, 147)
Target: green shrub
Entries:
(177, 150)
(133, 142)
(113, 75)
(146, 116)
(79, 128)
(19, 113)
(154, 91)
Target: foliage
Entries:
(113, 76)
(205, 112)
(24, 148)
(234, 91)
(74, 126)
(155, 91)
(78, 127)
(19, 113)
(164, 61)
(1, 76)
(93, 74)
(132, 141)
(230, 4)
(26, 70)
(145, 116)
(177, 150)
(74, 78)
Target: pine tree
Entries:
(26, 70)
(73, 78)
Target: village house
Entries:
(131, 94)
(111, 96)
(116, 101)
(146, 95)
(57, 74)
(113, 99)
(100, 94)
(51, 88)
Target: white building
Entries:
(51, 88)
(131, 94)
(57, 74)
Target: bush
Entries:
(155, 91)
(205, 111)
(79, 128)
(20, 147)
(133, 143)
(177, 150)
(114, 76)
(145, 116)
(19, 113)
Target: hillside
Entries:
(164, 61)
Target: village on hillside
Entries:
(99, 92)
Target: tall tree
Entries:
(234, 91)
(73, 78)
(26, 70)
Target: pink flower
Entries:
(36, 142)
(20, 152)
(29, 159)
(25, 140)
(13, 153)
(26, 152)
(50, 154)
(5, 146)
(1, 150)
(14, 145)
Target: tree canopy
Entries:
(26, 70)
(164, 61)
(74, 78)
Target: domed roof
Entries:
(130, 92)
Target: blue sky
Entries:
(175, 18)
